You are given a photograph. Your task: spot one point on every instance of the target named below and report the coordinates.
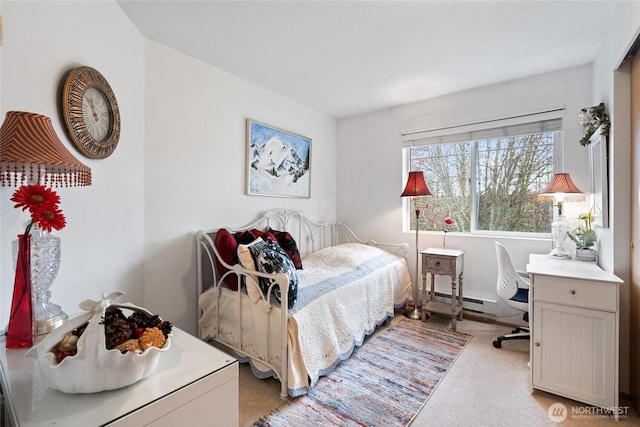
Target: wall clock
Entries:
(90, 112)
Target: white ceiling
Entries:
(344, 58)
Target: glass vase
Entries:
(20, 328)
(45, 263)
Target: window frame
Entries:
(455, 134)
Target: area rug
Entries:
(384, 383)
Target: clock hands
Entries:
(93, 110)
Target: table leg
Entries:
(425, 315)
(454, 302)
(423, 291)
(460, 299)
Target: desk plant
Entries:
(584, 236)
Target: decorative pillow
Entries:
(269, 257)
(227, 246)
(288, 243)
(246, 260)
(248, 236)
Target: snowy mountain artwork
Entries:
(277, 162)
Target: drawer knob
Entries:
(572, 292)
(537, 344)
(437, 263)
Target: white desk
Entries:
(194, 384)
(574, 318)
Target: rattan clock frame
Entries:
(76, 83)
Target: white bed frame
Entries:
(310, 236)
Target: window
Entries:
(485, 180)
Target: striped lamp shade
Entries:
(562, 184)
(31, 152)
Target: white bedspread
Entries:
(344, 292)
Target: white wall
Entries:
(371, 145)
(179, 165)
(195, 166)
(103, 242)
(612, 86)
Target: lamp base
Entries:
(44, 326)
(558, 255)
(416, 313)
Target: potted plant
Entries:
(584, 236)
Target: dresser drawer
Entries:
(579, 293)
(437, 265)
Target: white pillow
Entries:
(246, 260)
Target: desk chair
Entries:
(513, 288)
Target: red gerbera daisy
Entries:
(35, 198)
(50, 218)
(42, 203)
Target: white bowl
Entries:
(94, 368)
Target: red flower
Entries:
(448, 221)
(35, 197)
(50, 218)
(42, 203)
(447, 225)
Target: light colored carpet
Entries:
(484, 387)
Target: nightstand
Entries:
(194, 384)
(448, 262)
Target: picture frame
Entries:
(278, 162)
(599, 159)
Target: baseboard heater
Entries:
(471, 304)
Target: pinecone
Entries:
(139, 318)
(112, 313)
(143, 320)
(152, 337)
(165, 327)
(117, 332)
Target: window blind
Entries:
(548, 121)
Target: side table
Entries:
(194, 384)
(448, 262)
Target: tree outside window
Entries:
(486, 185)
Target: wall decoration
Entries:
(591, 119)
(278, 162)
(91, 113)
(599, 158)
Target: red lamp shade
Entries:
(562, 183)
(30, 150)
(416, 186)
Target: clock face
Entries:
(90, 112)
(95, 112)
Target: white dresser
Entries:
(194, 384)
(574, 317)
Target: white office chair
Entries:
(513, 288)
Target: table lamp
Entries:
(32, 153)
(560, 189)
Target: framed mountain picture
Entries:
(278, 162)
